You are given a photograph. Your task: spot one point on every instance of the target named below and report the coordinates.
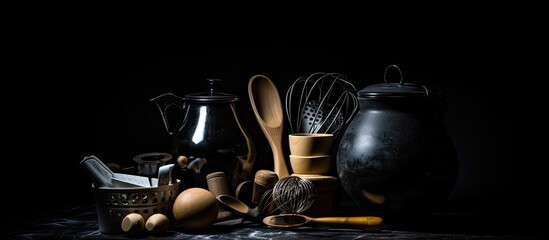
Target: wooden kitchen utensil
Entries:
(267, 108)
(370, 223)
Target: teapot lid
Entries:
(212, 95)
(387, 89)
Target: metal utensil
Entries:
(317, 118)
(103, 176)
(294, 194)
(320, 103)
(165, 175)
(100, 174)
(370, 223)
(129, 180)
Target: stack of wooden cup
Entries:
(310, 159)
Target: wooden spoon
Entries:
(238, 206)
(370, 223)
(267, 108)
(263, 209)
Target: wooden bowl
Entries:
(310, 164)
(310, 144)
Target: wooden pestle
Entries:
(217, 184)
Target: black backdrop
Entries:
(87, 93)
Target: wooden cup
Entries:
(311, 164)
(310, 144)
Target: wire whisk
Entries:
(320, 103)
(294, 194)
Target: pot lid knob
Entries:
(212, 96)
(391, 89)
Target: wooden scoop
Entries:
(238, 206)
(369, 223)
(265, 207)
(267, 108)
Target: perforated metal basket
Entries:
(113, 204)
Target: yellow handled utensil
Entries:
(369, 223)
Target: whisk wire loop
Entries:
(324, 103)
(294, 194)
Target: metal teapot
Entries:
(209, 134)
(395, 159)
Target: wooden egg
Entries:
(157, 223)
(133, 223)
(195, 209)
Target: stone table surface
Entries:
(80, 222)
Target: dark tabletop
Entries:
(80, 222)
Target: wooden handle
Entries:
(280, 167)
(267, 108)
(368, 222)
(274, 137)
(263, 181)
(217, 183)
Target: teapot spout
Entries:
(163, 102)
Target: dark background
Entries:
(83, 88)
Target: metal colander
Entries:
(113, 204)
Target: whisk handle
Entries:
(370, 223)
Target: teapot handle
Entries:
(165, 101)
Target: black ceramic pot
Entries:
(395, 159)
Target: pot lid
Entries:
(391, 89)
(212, 95)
